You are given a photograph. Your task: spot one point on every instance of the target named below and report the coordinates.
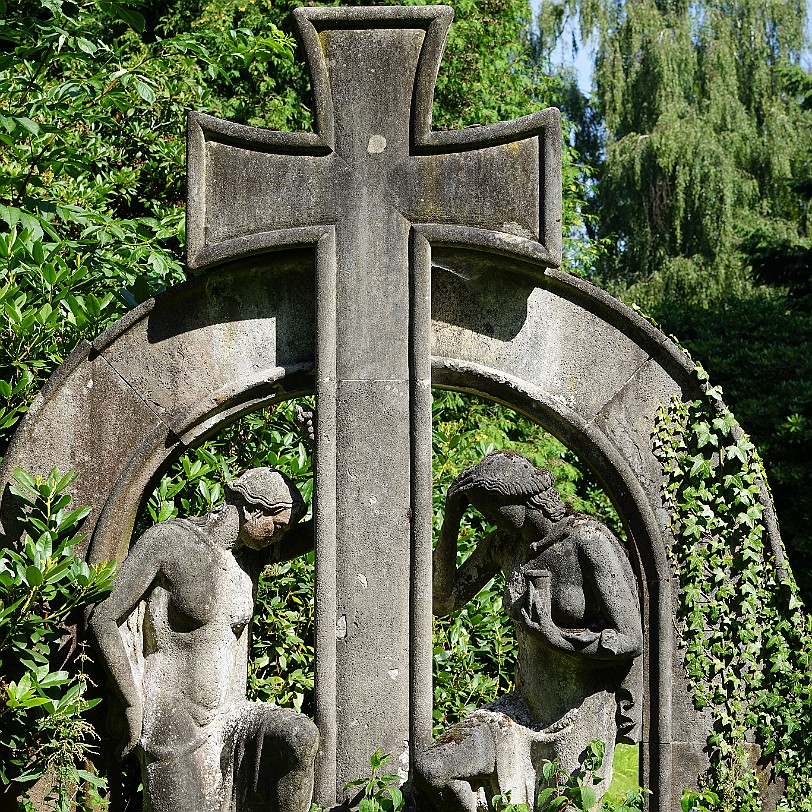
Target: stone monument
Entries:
(373, 189)
(365, 263)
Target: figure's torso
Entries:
(552, 682)
(196, 629)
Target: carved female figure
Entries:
(174, 636)
(572, 597)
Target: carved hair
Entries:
(266, 488)
(512, 479)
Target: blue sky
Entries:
(582, 60)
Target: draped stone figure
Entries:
(571, 595)
(174, 636)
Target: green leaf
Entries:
(548, 770)
(29, 125)
(64, 481)
(26, 480)
(33, 575)
(127, 15)
(94, 780)
(54, 678)
(86, 45)
(589, 797)
(144, 91)
(397, 797)
(73, 518)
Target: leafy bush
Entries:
(379, 792)
(42, 706)
(561, 791)
(91, 172)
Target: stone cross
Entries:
(374, 189)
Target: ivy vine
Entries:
(746, 636)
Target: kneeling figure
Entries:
(174, 636)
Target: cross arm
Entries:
(497, 187)
(252, 190)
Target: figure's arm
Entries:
(453, 587)
(605, 577)
(609, 574)
(137, 573)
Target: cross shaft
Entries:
(372, 190)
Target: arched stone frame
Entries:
(176, 369)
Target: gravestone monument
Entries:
(365, 263)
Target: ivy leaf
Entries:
(704, 435)
(725, 423)
(699, 465)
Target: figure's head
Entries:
(507, 489)
(268, 503)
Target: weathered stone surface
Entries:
(247, 310)
(85, 414)
(157, 380)
(368, 187)
(173, 635)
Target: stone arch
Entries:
(589, 369)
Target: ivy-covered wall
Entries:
(746, 637)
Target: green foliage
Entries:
(758, 352)
(258, 81)
(91, 172)
(42, 706)
(577, 791)
(560, 791)
(747, 638)
(697, 134)
(625, 775)
(380, 793)
(780, 252)
(703, 801)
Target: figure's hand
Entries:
(135, 725)
(539, 593)
(306, 418)
(454, 497)
(583, 641)
(610, 641)
(530, 622)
